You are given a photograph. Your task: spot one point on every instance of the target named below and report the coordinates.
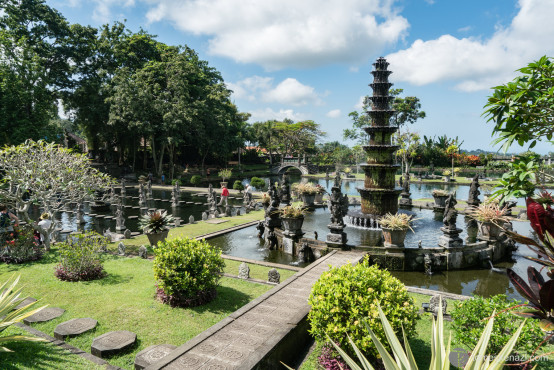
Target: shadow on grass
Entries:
(36, 355)
(421, 351)
(227, 300)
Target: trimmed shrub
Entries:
(196, 180)
(176, 182)
(343, 296)
(258, 183)
(80, 258)
(21, 247)
(469, 318)
(187, 271)
(238, 185)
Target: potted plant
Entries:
(266, 199)
(308, 192)
(446, 174)
(155, 225)
(292, 218)
(440, 197)
(224, 174)
(394, 228)
(319, 194)
(490, 217)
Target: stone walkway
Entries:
(270, 329)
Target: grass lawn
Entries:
(124, 300)
(421, 343)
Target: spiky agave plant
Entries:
(10, 298)
(155, 221)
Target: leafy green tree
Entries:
(297, 138)
(409, 146)
(523, 110)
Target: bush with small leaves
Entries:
(343, 296)
(20, 247)
(187, 271)
(469, 318)
(196, 180)
(80, 258)
(238, 185)
(258, 183)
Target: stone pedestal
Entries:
(450, 238)
(405, 201)
(336, 239)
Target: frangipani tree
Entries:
(49, 176)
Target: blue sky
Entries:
(311, 59)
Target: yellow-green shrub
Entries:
(343, 296)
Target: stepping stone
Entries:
(92, 214)
(112, 343)
(190, 202)
(151, 209)
(74, 327)
(25, 302)
(132, 217)
(100, 216)
(135, 233)
(152, 354)
(108, 217)
(198, 203)
(46, 314)
(66, 231)
(158, 199)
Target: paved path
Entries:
(248, 338)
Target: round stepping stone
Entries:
(152, 354)
(112, 343)
(74, 327)
(46, 314)
(25, 302)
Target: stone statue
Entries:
(119, 219)
(143, 252)
(285, 191)
(271, 241)
(406, 184)
(121, 249)
(450, 213)
(127, 234)
(338, 181)
(434, 304)
(305, 253)
(123, 187)
(272, 192)
(273, 276)
(244, 271)
(473, 198)
(191, 219)
(261, 228)
(401, 181)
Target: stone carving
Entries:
(152, 354)
(74, 327)
(119, 219)
(428, 263)
(271, 240)
(216, 214)
(177, 222)
(150, 189)
(405, 200)
(228, 211)
(305, 253)
(79, 214)
(473, 197)
(261, 229)
(113, 342)
(338, 205)
(142, 195)
(450, 237)
(143, 252)
(127, 234)
(284, 192)
(204, 216)
(121, 249)
(434, 304)
(244, 271)
(123, 188)
(450, 213)
(174, 197)
(46, 314)
(191, 219)
(273, 276)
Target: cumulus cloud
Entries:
(268, 113)
(285, 33)
(289, 91)
(335, 113)
(477, 64)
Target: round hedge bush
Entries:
(343, 296)
(196, 180)
(187, 271)
(469, 318)
(238, 185)
(258, 183)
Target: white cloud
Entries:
(335, 113)
(284, 33)
(290, 91)
(360, 104)
(465, 29)
(268, 113)
(102, 11)
(250, 87)
(476, 64)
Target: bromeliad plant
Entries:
(293, 211)
(398, 221)
(156, 221)
(490, 212)
(440, 193)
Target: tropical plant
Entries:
(398, 221)
(10, 298)
(520, 179)
(468, 317)
(156, 221)
(196, 180)
(490, 212)
(176, 182)
(22, 248)
(237, 185)
(257, 183)
(79, 257)
(293, 211)
(224, 174)
(187, 271)
(440, 351)
(307, 188)
(266, 199)
(344, 295)
(446, 173)
(440, 193)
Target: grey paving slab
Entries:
(46, 314)
(74, 327)
(113, 342)
(25, 302)
(152, 354)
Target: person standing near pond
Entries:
(163, 179)
(6, 218)
(224, 196)
(45, 223)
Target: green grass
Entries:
(190, 230)
(421, 343)
(39, 355)
(124, 300)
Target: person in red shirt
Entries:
(224, 195)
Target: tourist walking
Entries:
(248, 193)
(224, 196)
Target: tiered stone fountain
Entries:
(379, 194)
